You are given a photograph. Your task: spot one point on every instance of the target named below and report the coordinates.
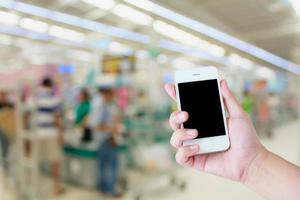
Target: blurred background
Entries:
(83, 113)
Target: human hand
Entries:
(233, 163)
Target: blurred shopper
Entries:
(46, 110)
(4, 101)
(108, 153)
(246, 161)
(81, 114)
(7, 126)
(83, 108)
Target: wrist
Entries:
(255, 167)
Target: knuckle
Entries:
(175, 142)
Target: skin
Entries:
(247, 161)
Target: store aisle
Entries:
(286, 142)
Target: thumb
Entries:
(232, 105)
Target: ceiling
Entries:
(269, 24)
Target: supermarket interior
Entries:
(73, 70)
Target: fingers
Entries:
(232, 105)
(184, 155)
(170, 89)
(181, 135)
(177, 118)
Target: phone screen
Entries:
(201, 100)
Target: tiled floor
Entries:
(286, 143)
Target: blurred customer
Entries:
(108, 154)
(82, 111)
(46, 116)
(83, 108)
(7, 126)
(4, 101)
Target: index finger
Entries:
(170, 89)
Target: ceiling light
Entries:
(144, 4)
(266, 73)
(118, 48)
(175, 33)
(186, 38)
(132, 15)
(5, 39)
(102, 4)
(296, 6)
(216, 50)
(181, 48)
(33, 25)
(236, 60)
(67, 34)
(8, 18)
(80, 55)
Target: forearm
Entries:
(273, 177)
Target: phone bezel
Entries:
(208, 144)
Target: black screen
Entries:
(201, 100)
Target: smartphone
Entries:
(199, 94)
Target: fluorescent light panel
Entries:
(33, 25)
(132, 15)
(144, 4)
(102, 4)
(265, 72)
(236, 60)
(181, 48)
(8, 18)
(177, 34)
(119, 48)
(174, 33)
(74, 21)
(67, 34)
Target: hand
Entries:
(231, 164)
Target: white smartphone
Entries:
(198, 93)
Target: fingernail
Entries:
(191, 132)
(194, 147)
